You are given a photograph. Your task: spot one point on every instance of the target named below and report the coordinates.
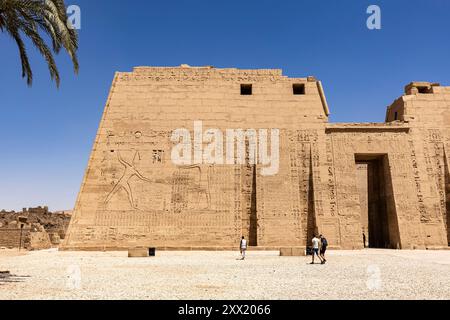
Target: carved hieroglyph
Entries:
(389, 179)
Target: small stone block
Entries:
(285, 252)
(292, 252)
(298, 252)
(138, 253)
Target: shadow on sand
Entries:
(7, 277)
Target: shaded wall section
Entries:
(447, 194)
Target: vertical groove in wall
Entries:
(447, 192)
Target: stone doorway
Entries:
(378, 214)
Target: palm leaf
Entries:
(29, 18)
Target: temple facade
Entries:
(389, 181)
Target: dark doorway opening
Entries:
(253, 230)
(378, 213)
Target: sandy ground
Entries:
(368, 274)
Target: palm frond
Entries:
(29, 18)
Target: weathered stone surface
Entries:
(27, 238)
(133, 194)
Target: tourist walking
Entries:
(315, 249)
(243, 248)
(364, 240)
(323, 248)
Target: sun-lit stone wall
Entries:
(133, 194)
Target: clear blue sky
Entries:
(47, 134)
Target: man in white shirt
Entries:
(315, 248)
(243, 247)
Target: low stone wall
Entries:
(29, 240)
(10, 238)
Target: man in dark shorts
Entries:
(315, 249)
(323, 248)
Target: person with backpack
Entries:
(323, 248)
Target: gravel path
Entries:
(368, 274)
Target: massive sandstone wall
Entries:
(168, 206)
(133, 195)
